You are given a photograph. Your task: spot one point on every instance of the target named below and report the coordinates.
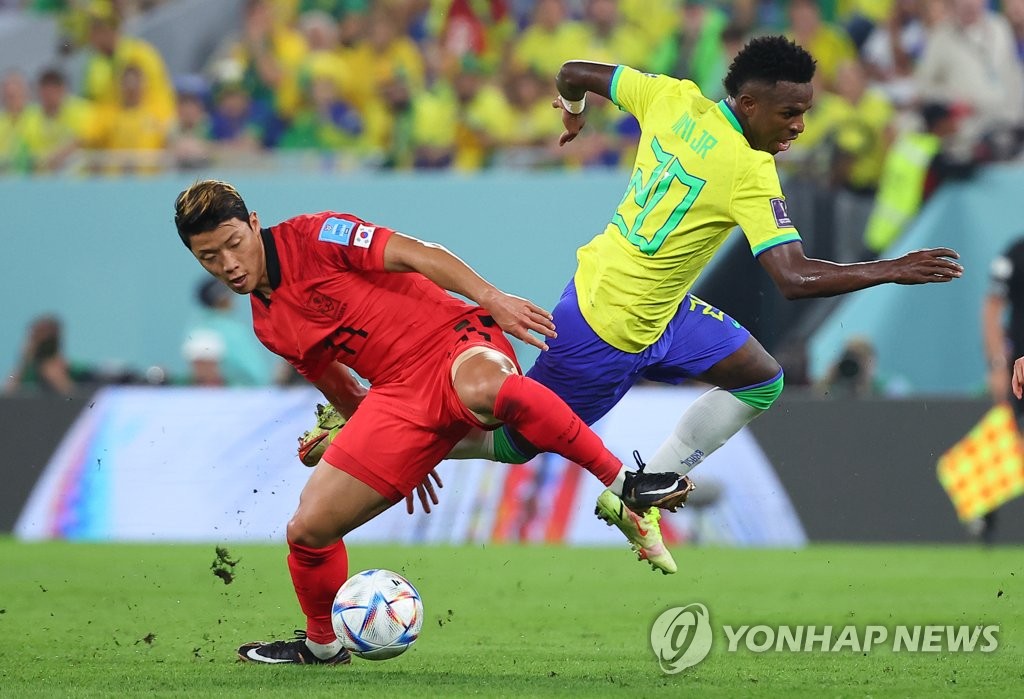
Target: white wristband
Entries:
(574, 106)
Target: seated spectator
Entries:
(892, 49)
(42, 364)
(483, 117)
(13, 103)
(550, 40)
(532, 140)
(611, 40)
(971, 59)
(268, 54)
(694, 50)
(237, 124)
(1014, 12)
(861, 131)
(219, 346)
(56, 127)
(189, 139)
(111, 52)
(204, 352)
(324, 122)
(133, 133)
(656, 21)
(464, 28)
(828, 43)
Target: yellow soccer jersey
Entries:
(695, 178)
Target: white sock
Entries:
(705, 426)
(478, 444)
(324, 650)
(620, 480)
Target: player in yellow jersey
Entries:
(702, 168)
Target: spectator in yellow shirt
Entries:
(383, 54)
(828, 44)
(864, 132)
(325, 122)
(550, 39)
(484, 118)
(611, 40)
(111, 53)
(532, 140)
(269, 54)
(13, 102)
(133, 133)
(57, 126)
(384, 74)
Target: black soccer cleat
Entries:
(294, 652)
(642, 491)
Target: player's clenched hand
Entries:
(573, 123)
(424, 490)
(518, 317)
(925, 266)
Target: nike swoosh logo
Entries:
(253, 655)
(663, 491)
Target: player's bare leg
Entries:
(332, 504)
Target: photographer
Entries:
(43, 364)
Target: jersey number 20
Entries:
(648, 195)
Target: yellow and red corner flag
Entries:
(986, 468)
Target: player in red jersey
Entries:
(331, 291)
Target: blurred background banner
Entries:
(158, 464)
(434, 117)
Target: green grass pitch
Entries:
(106, 619)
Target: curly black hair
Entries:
(769, 59)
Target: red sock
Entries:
(316, 575)
(544, 419)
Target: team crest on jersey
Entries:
(337, 231)
(781, 213)
(327, 306)
(364, 234)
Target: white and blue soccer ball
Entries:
(377, 614)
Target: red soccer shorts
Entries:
(404, 429)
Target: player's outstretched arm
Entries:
(514, 315)
(798, 276)
(574, 80)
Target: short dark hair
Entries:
(769, 59)
(52, 76)
(204, 206)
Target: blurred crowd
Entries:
(908, 94)
(468, 84)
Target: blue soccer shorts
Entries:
(591, 376)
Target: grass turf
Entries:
(112, 619)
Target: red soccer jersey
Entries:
(332, 300)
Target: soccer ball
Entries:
(377, 614)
